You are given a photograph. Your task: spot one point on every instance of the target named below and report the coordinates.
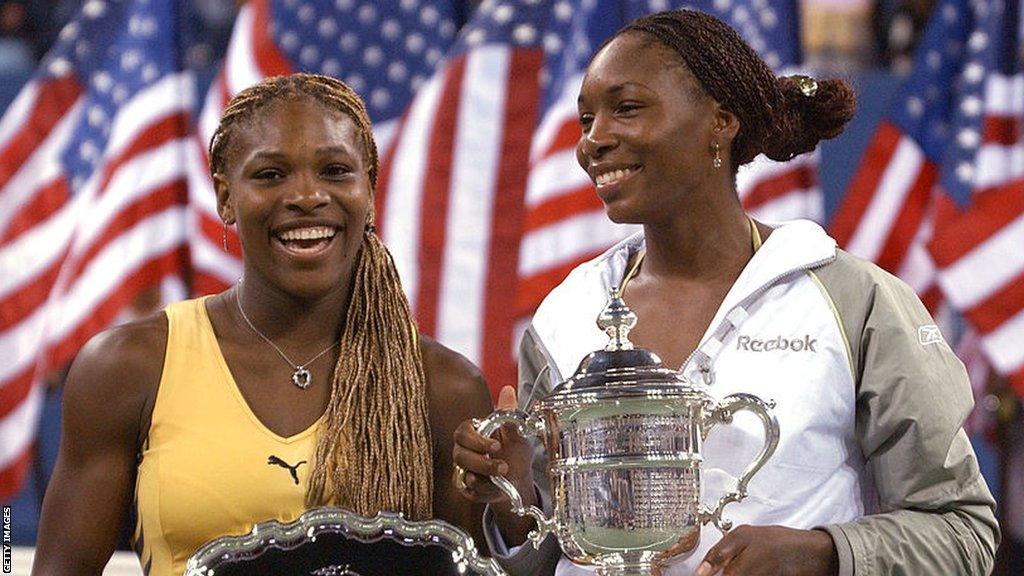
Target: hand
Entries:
(506, 454)
(770, 551)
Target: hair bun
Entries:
(808, 115)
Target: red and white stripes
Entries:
(450, 201)
(75, 261)
(897, 215)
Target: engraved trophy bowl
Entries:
(623, 437)
(337, 542)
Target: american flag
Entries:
(92, 197)
(939, 197)
(482, 202)
(385, 50)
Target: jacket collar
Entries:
(566, 318)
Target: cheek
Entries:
(364, 211)
(581, 158)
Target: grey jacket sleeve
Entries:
(936, 514)
(535, 382)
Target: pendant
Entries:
(301, 377)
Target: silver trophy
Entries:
(623, 437)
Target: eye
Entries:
(268, 174)
(336, 171)
(628, 108)
(586, 119)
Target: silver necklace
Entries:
(301, 376)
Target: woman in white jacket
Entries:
(873, 473)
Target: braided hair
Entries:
(373, 450)
(776, 116)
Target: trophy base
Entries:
(638, 569)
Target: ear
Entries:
(725, 125)
(225, 207)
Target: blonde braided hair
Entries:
(373, 451)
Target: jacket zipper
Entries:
(752, 296)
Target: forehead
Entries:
(634, 57)
(296, 121)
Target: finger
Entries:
(478, 463)
(481, 484)
(719, 556)
(477, 488)
(507, 435)
(467, 437)
(507, 398)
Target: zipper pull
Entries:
(706, 373)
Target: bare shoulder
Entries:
(116, 374)
(448, 372)
(456, 390)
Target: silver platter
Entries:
(327, 542)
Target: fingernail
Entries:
(495, 446)
(502, 468)
(703, 570)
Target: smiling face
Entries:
(647, 132)
(296, 185)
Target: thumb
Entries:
(507, 398)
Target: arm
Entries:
(934, 513)
(108, 398)
(503, 529)
(456, 392)
(937, 515)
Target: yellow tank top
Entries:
(209, 467)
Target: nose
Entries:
(597, 139)
(307, 196)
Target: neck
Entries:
(710, 244)
(284, 318)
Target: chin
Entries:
(622, 214)
(310, 284)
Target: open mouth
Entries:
(306, 241)
(613, 177)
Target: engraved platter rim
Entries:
(285, 536)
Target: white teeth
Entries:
(613, 176)
(314, 233)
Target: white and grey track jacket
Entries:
(870, 402)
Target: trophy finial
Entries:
(616, 320)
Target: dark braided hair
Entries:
(776, 118)
(373, 448)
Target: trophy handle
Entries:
(722, 413)
(528, 426)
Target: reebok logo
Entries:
(929, 334)
(777, 343)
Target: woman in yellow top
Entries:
(224, 411)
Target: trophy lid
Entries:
(621, 369)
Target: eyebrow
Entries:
(324, 151)
(616, 89)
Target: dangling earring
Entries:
(225, 235)
(717, 160)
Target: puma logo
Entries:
(293, 470)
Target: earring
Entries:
(717, 160)
(225, 236)
(370, 228)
